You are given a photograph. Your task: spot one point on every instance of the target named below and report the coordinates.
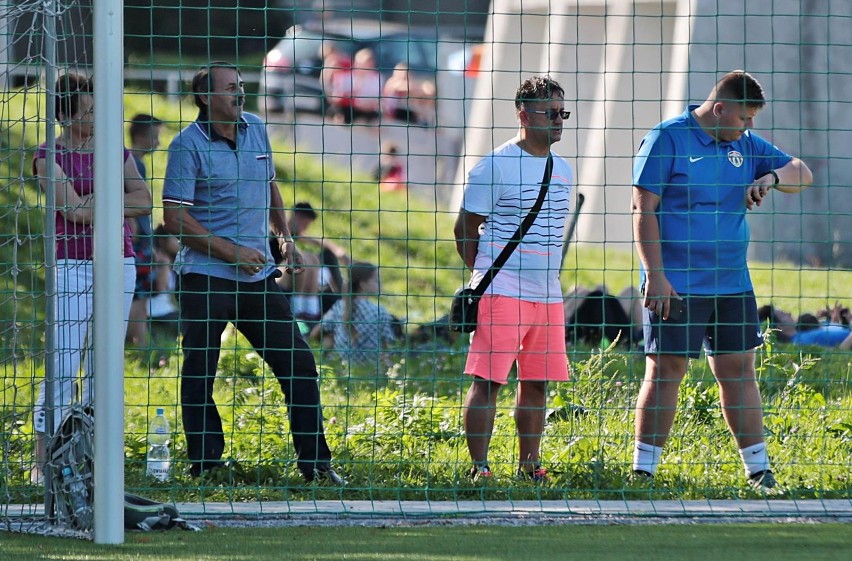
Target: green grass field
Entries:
(397, 435)
(755, 542)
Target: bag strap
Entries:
(520, 233)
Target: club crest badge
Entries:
(735, 158)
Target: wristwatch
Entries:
(775, 176)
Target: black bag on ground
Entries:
(465, 305)
(600, 315)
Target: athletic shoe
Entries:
(324, 473)
(762, 480)
(197, 469)
(537, 475)
(641, 475)
(475, 472)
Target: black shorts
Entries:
(723, 324)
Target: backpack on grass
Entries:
(71, 456)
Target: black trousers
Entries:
(260, 311)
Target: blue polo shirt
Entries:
(225, 186)
(826, 335)
(702, 188)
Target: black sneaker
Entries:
(641, 475)
(762, 481)
(197, 469)
(325, 473)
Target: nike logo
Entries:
(693, 160)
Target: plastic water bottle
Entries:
(159, 457)
(76, 492)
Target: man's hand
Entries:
(292, 257)
(250, 261)
(756, 192)
(658, 294)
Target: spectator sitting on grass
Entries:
(807, 329)
(318, 287)
(596, 316)
(356, 328)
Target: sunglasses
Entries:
(552, 114)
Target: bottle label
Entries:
(159, 469)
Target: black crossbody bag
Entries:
(465, 305)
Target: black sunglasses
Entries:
(552, 114)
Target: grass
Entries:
(397, 435)
(756, 542)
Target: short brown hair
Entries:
(201, 83)
(142, 124)
(538, 88)
(740, 86)
(69, 88)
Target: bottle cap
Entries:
(160, 411)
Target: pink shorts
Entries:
(509, 330)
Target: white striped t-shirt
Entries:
(503, 187)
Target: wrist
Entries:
(775, 179)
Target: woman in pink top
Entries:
(74, 185)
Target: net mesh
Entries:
(383, 174)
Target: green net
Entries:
(370, 165)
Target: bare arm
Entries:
(316, 332)
(72, 206)
(466, 232)
(794, 177)
(137, 196)
(192, 234)
(846, 345)
(646, 233)
(278, 219)
(276, 212)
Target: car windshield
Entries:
(304, 49)
(419, 55)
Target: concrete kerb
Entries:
(588, 510)
(29, 517)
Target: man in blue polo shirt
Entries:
(694, 178)
(219, 198)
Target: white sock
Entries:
(646, 457)
(755, 458)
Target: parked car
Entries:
(290, 79)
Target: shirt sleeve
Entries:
(480, 193)
(652, 166)
(768, 156)
(182, 171)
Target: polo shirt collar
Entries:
(206, 126)
(697, 131)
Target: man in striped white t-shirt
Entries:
(521, 317)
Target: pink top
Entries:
(73, 240)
